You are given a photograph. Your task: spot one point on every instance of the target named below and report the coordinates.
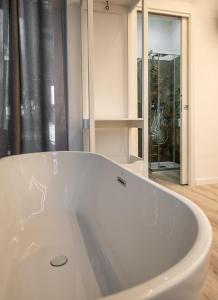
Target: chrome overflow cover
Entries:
(58, 261)
(121, 180)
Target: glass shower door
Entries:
(164, 111)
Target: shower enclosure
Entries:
(168, 94)
(164, 111)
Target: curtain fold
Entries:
(14, 83)
(4, 79)
(37, 75)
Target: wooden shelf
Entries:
(119, 122)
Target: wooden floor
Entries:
(206, 197)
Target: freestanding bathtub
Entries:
(76, 226)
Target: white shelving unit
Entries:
(109, 58)
(119, 123)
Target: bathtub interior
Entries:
(115, 236)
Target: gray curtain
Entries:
(4, 79)
(33, 99)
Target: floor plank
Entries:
(206, 197)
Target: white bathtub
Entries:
(125, 238)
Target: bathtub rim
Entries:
(185, 267)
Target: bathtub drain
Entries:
(58, 261)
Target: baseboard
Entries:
(209, 180)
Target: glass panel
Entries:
(164, 35)
(164, 92)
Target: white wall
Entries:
(204, 65)
(74, 76)
(111, 80)
(176, 36)
(163, 35)
(113, 142)
(110, 64)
